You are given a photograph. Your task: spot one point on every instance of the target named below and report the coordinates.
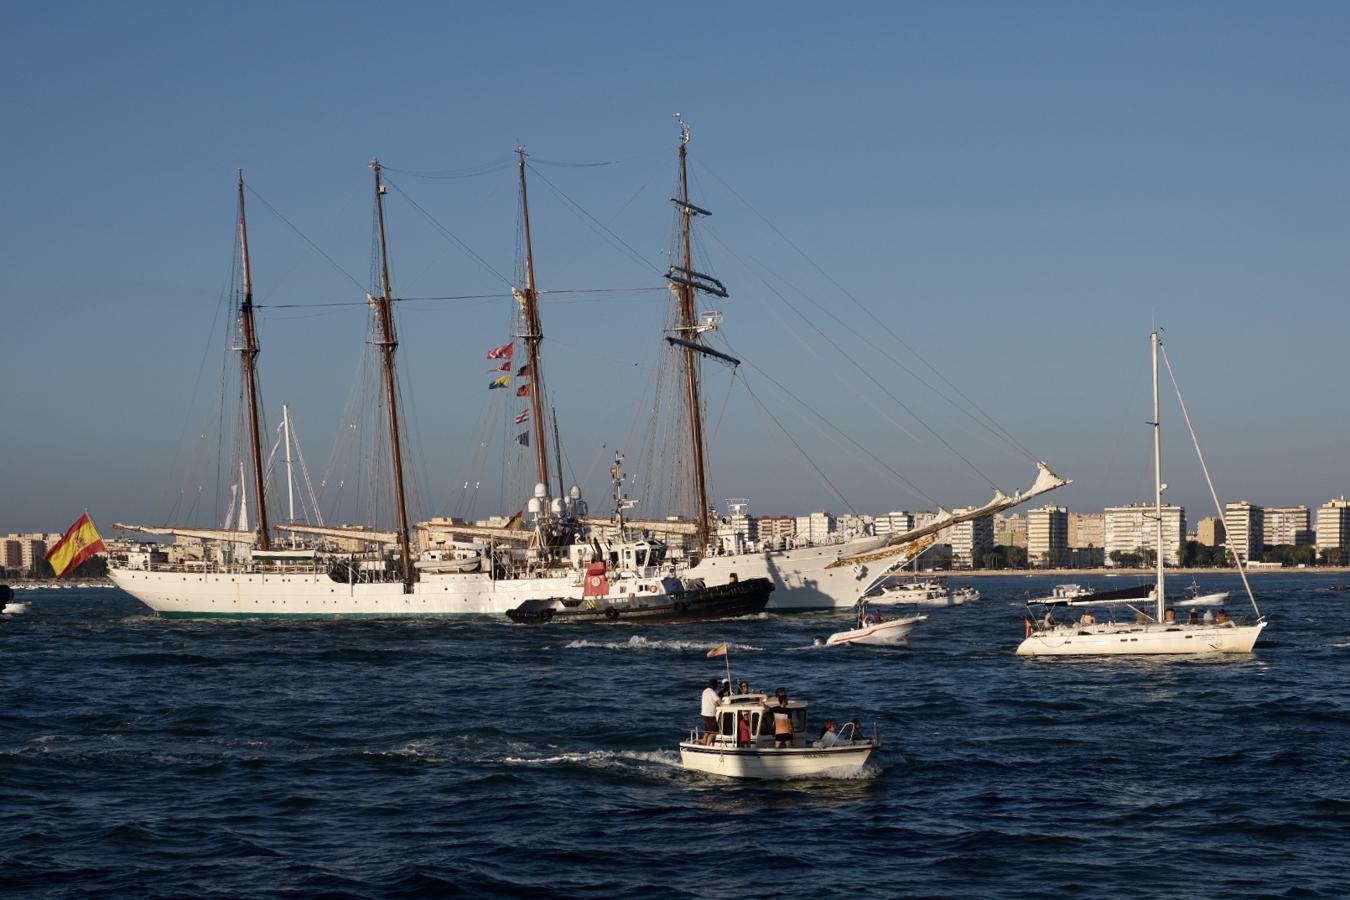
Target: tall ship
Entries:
(459, 569)
(831, 576)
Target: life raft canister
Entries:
(596, 583)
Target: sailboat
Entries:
(805, 578)
(1158, 633)
(250, 577)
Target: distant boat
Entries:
(1160, 633)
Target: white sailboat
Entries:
(494, 570)
(1159, 633)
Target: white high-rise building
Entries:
(894, 522)
(1048, 536)
(1133, 528)
(1286, 525)
(816, 528)
(1333, 525)
(1245, 524)
(966, 537)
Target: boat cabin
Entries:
(761, 722)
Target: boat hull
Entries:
(802, 579)
(1133, 640)
(769, 763)
(886, 634)
(314, 595)
(744, 598)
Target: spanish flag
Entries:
(719, 650)
(80, 542)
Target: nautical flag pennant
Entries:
(522, 417)
(502, 352)
(523, 439)
(524, 371)
(79, 543)
(523, 391)
(504, 367)
(504, 381)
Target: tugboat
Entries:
(728, 752)
(630, 581)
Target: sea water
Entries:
(157, 758)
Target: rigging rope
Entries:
(990, 423)
(468, 251)
(764, 409)
(313, 246)
(868, 375)
(578, 208)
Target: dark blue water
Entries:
(147, 757)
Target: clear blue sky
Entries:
(1018, 190)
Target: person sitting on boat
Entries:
(1170, 617)
(782, 721)
(724, 690)
(1087, 618)
(855, 732)
(743, 730)
(1194, 617)
(743, 687)
(828, 735)
(708, 708)
(1209, 617)
(1222, 618)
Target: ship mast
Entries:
(1157, 478)
(687, 328)
(383, 307)
(249, 355)
(528, 297)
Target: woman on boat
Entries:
(782, 721)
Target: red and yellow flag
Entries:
(80, 542)
(719, 650)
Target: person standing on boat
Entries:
(743, 730)
(744, 687)
(782, 721)
(709, 711)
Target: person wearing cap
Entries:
(828, 734)
(708, 708)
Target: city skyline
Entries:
(1015, 194)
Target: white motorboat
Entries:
(875, 630)
(929, 592)
(730, 754)
(964, 595)
(1195, 598)
(1144, 633)
(8, 606)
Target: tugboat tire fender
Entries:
(611, 613)
(681, 606)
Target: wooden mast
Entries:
(528, 298)
(249, 355)
(687, 327)
(383, 306)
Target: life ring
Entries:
(595, 581)
(611, 613)
(681, 606)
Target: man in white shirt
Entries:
(708, 709)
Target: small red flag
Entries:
(502, 352)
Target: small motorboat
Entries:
(646, 600)
(1194, 597)
(875, 630)
(729, 753)
(930, 592)
(964, 595)
(8, 607)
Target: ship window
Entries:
(728, 724)
(799, 720)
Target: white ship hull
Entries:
(315, 595)
(800, 578)
(765, 762)
(1130, 640)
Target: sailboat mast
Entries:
(1157, 480)
(533, 336)
(687, 305)
(249, 355)
(290, 480)
(383, 306)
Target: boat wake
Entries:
(638, 642)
